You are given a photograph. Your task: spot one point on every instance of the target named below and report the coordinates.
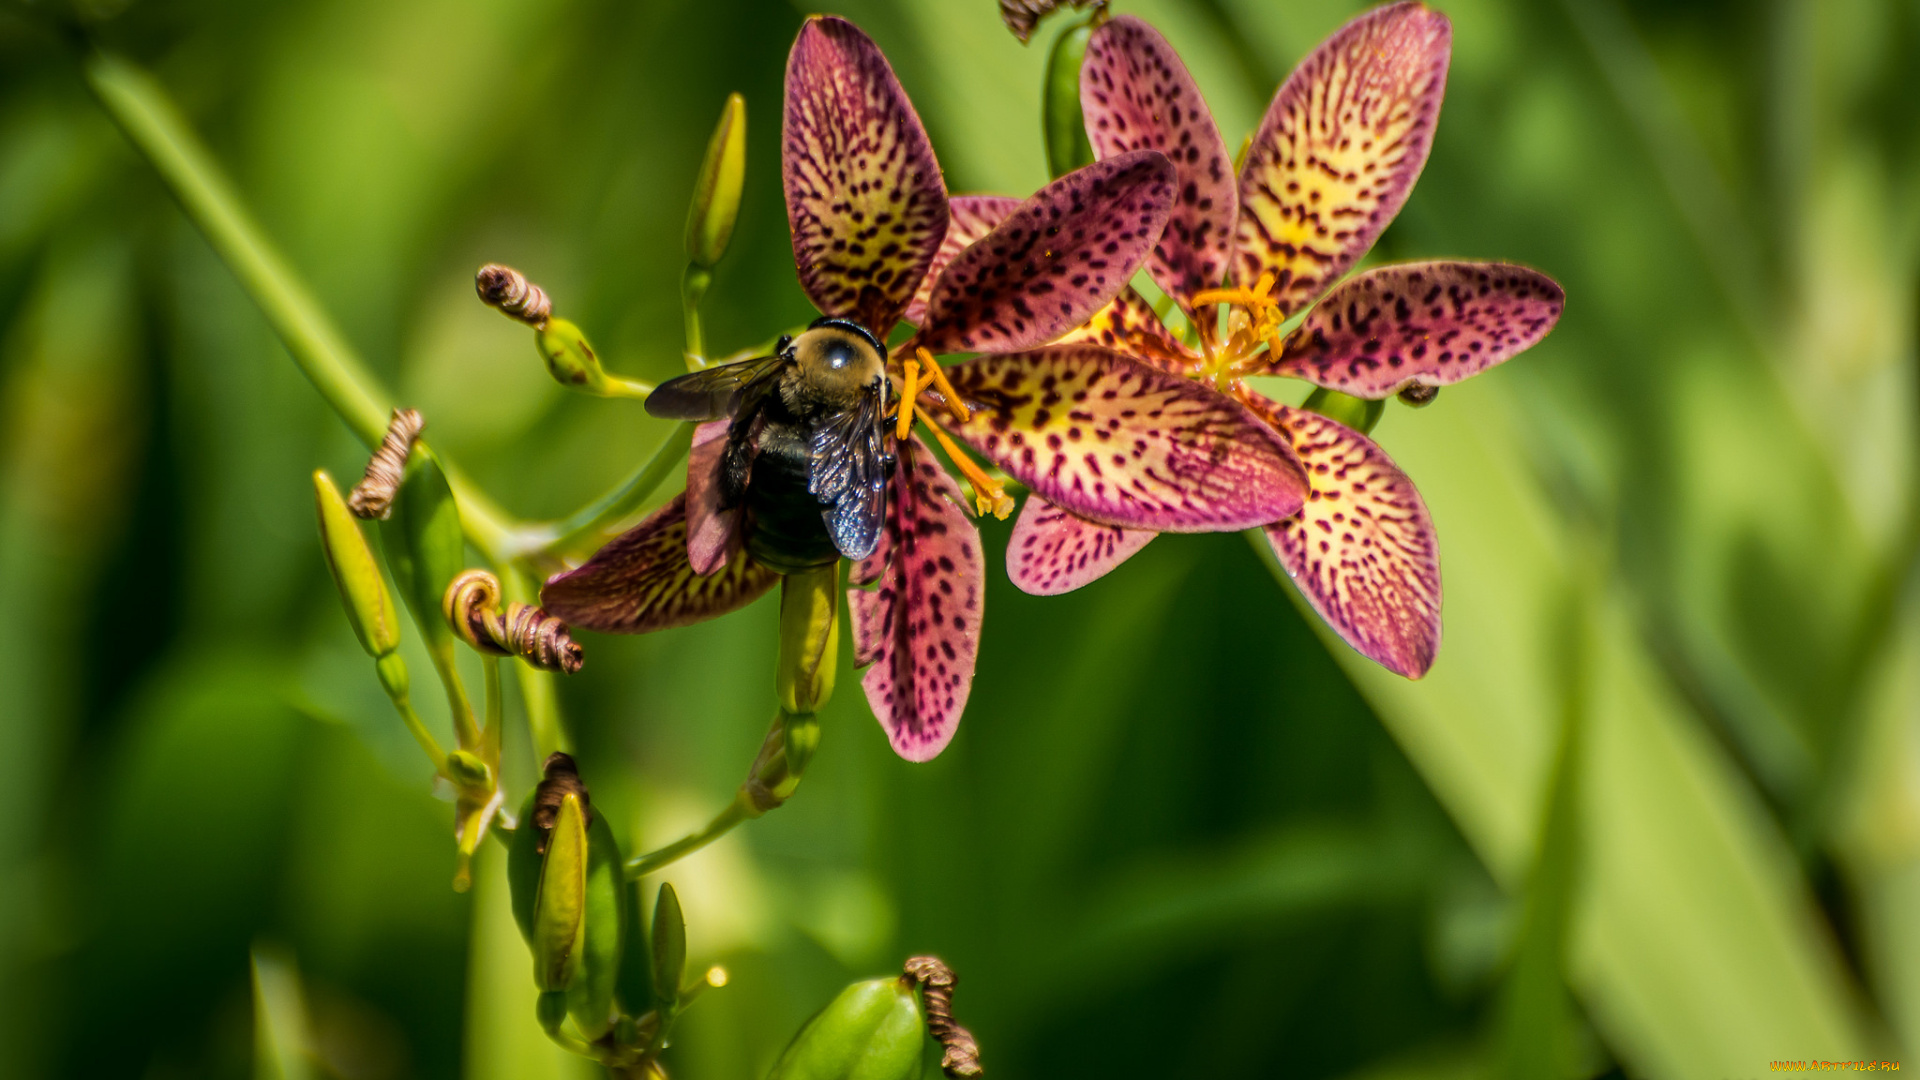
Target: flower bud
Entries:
(809, 638)
(1357, 413)
(355, 572)
(1065, 127)
(570, 360)
(716, 191)
(466, 769)
(560, 906)
(669, 946)
(1419, 395)
(873, 1031)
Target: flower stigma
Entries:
(1254, 323)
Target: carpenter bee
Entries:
(806, 450)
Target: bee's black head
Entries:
(850, 327)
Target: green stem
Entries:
(693, 286)
(420, 733)
(736, 812)
(490, 735)
(536, 686)
(589, 525)
(149, 120)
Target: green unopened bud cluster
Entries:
(608, 989)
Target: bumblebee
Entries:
(806, 452)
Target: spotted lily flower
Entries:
(1331, 164)
(875, 237)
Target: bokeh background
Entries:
(1656, 811)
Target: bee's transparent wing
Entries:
(848, 474)
(709, 394)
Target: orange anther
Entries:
(954, 405)
(907, 409)
(988, 496)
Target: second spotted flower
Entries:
(1331, 164)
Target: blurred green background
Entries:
(1656, 811)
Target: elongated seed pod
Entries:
(373, 496)
(472, 608)
(509, 290)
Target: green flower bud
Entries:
(560, 906)
(873, 1031)
(1063, 125)
(809, 638)
(355, 572)
(669, 946)
(634, 987)
(569, 358)
(591, 997)
(466, 769)
(1357, 413)
(716, 191)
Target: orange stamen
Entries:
(954, 405)
(907, 408)
(988, 496)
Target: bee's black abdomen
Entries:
(786, 533)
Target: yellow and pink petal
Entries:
(1052, 551)
(919, 626)
(1129, 325)
(1120, 443)
(1053, 262)
(1339, 150)
(642, 581)
(1362, 549)
(1430, 324)
(865, 200)
(1137, 95)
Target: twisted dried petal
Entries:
(1022, 16)
(969, 218)
(920, 628)
(508, 289)
(1053, 552)
(373, 496)
(1340, 148)
(1420, 324)
(1363, 550)
(472, 606)
(960, 1055)
(713, 535)
(1137, 95)
(1054, 261)
(1129, 325)
(642, 581)
(1119, 443)
(865, 200)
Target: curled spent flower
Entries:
(509, 290)
(1022, 16)
(472, 608)
(561, 780)
(937, 980)
(373, 496)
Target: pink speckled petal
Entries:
(920, 628)
(1137, 95)
(1128, 325)
(1120, 443)
(713, 534)
(970, 218)
(865, 200)
(1340, 148)
(1053, 552)
(1054, 261)
(1428, 323)
(1363, 550)
(642, 581)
